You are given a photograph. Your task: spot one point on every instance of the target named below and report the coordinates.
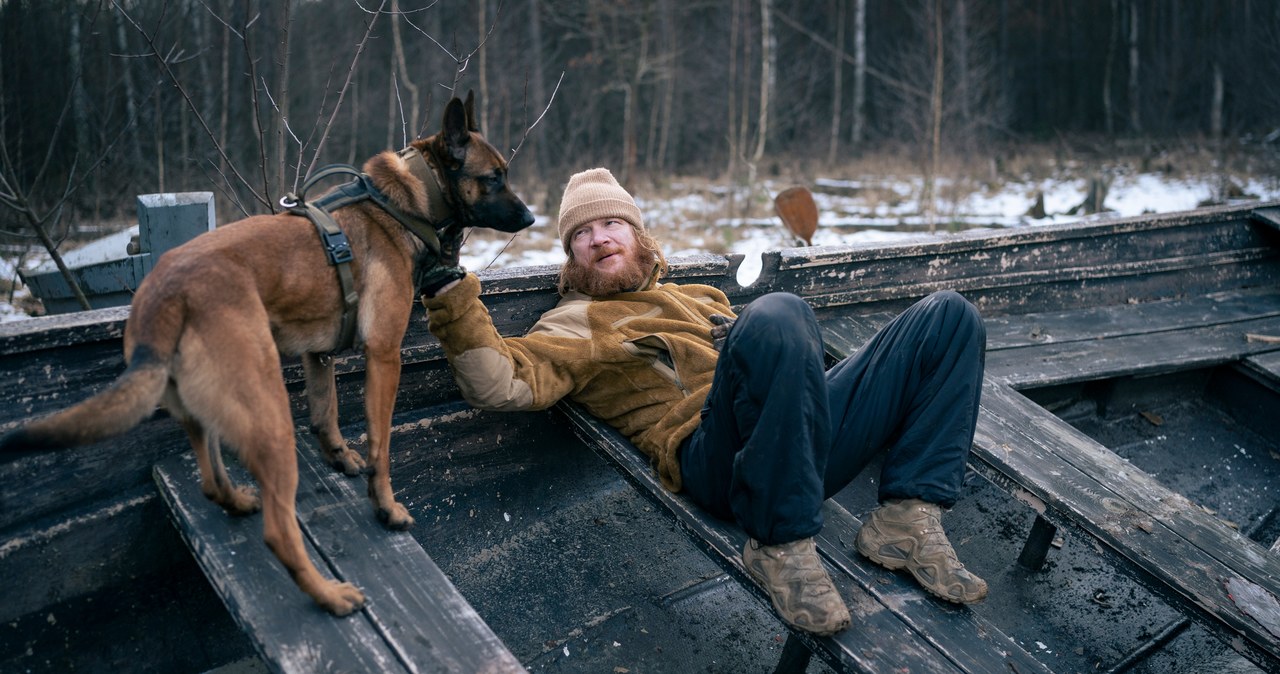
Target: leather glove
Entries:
(720, 327)
(446, 268)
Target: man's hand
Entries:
(720, 327)
(446, 269)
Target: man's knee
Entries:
(777, 320)
(956, 314)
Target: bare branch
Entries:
(878, 74)
(462, 65)
(257, 119)
(324, 137)
(220, 20)
(284, 121)
(551, 100)
(155, 52)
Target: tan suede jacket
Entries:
(641, 361)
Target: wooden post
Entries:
(1036, 548)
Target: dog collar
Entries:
(439, 213)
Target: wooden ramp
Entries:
(415, 619)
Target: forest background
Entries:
(102, 100)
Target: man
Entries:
(739, 413)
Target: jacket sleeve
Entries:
(497, 373)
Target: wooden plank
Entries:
(1025, 448)
(964, 636)
(290, 632)
(415, 621)
(879, 641)
(1268, 216)
(1101, 322)
(412, 604)
(1266, 365)
(1184, 548)
(1142, 354)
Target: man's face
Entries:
(602, 245)
(607, 259)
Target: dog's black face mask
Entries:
(495, 205)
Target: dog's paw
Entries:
(348, 462)
(396, 518)
(244, 501)
(341, 599)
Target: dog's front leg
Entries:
(382, 378)
(322, 403)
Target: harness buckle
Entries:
(336, 246)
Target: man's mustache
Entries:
(612, 250)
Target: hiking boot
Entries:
(798, 584)
(908, 534)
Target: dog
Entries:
(208, 326)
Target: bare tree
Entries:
(929, 196)
(837, 83)
(859, 72)
(1135, 88)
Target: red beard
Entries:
(584, 279)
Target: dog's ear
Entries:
(456, 133)
(473, 124)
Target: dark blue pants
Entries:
(779, 433)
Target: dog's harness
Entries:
(336, 245)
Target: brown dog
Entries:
(209, 323)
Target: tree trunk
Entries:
(538, 95)
(731, 107)
(768, 56)
(859, 73)
(80, 99)
(282, 98)
(1135, 91)
(158, 139)
(224, 106)
(1108, 112)
(410, 108)
(130, 92)
(669, 83)
(936, 105)
(837, 82)
(482, 22)
(964, 90)
(1215, 106)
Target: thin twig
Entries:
(257, 119)
(324, 137)
(190, 103)
(551, 100)
(501, 250)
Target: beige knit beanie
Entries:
(591, 195)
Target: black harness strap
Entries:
(336, 245)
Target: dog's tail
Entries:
(124, 404)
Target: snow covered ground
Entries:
(850, 211)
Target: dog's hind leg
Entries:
(322, 404)
(214, 481)
(229, 379)
(278, 480)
